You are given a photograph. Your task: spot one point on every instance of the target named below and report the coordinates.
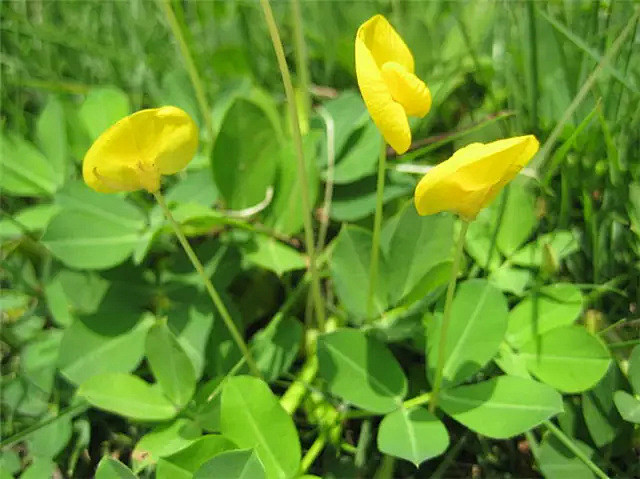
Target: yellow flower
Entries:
(133, 153)
(473, 176)
(391, 91)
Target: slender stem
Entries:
(377, 224)
(446, 318)
(312, 453)
(215, 297)
(417, 401)
(77, 408)
(302, 68)
(190, 64)
(294, 395)
(302, 169)
(579, 453)
(533, 64)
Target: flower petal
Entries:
(132, 153)
(407, 89)
(473, 176)
(384, 43)
(389, 116)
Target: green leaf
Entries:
(33, 218)
(348, 113)
(501, 407)
(478, 324)
(163, 441)
(361, 370)
(519, 219)
(102, 344)
(361, 158)
(51, 134)
(603, 421)
(102, 108)
(285, 214)
(170, 365)
(271, 254)
(243, 158)
(415, 246)
(628, 406)
(567, 358)
(39, 469)
(554, 306)
(192, 457)
(275, 348)
(195, 187)
(561, 243)
(48, 441)
(415, 435)
(24, 171)
(511, 280)
(126, 395)
(634, 369)
(252, 417)
(350, 263)
(556, 461)
(240, 464)
(110, 468)
(356, 201)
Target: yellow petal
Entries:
(133, 153)
(407, 89)
(384, 43)
(389, 116)
(473, 176)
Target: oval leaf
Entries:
(170, 364)
(556, 461)
(568, 358)
(554, 306)
(240, 464)
(110, 468)
(415, 435)
(350, 272)
(242, 169)
(252, 417)
(478, 323)
(192, 457)
(126, 395)
(501, 407)
(628, 406)
(361, 370)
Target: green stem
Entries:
(446, 319)
(533, 65)
(25, 432)
(417, 401)
(215, 297)
(293, 396)
(302, 169)
(377, 224)
(301, 62)
(313, 452)
(190, 64)
(579, 453)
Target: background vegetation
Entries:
(88, 279)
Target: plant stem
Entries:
(302, 169)
(312, 453)
(446, 318)
(417, 401)
(191, 66)
(215, 297)
(579, 453)
(302, 68)
(377, 224)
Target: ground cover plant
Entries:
(320, 239)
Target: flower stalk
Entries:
(213, 294)
(302, 169)
(446, 318)
(377, 225)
